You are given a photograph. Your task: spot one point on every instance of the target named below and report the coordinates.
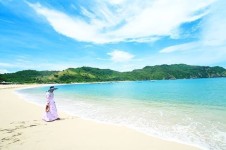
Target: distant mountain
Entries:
(88, 74)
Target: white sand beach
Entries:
(21, 127)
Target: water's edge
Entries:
(24, 97)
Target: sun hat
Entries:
(52, 88)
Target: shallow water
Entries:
(189, 111)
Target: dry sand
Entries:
(21, 127)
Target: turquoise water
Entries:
(187, 111)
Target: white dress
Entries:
(51, 115)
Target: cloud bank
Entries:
(113, 21)
(120, 56)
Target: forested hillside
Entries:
(88, 74)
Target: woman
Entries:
(51, 110)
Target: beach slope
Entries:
(21, 127)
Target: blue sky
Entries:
(118, 34)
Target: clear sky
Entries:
(117, 34)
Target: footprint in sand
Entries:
(12, 135)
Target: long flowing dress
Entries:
(51, 115)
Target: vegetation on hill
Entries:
(26, 76)
(88, 74)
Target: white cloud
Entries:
(214, 25)
(116, 2)
(2, 71)
(120, 56)
(210, 48)
(161, 18)
(181, 47)
(66, 25)
(192, 53)
(113, 21)
(2, 64)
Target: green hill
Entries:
(26, 76)
(88, 74)
(83, 74)
(178, 71)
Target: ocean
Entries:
(191, 111)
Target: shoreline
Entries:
(110, 133)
